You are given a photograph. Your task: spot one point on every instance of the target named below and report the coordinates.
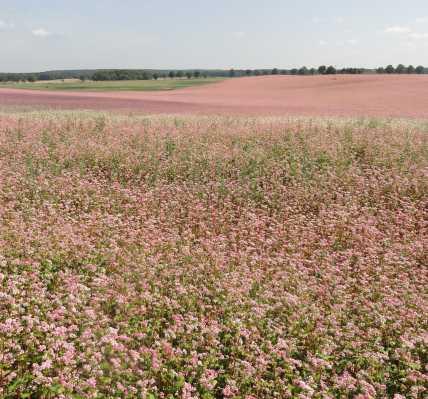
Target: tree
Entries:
(179, 74)
(410, 69)
(275, 71)
(389, 69)
(189, 75)
(420, 69)
(31, 78)
(331, 70)
(312, 71)
(101, 76)
(303, 71)
(400, 69)
(232, 73)
(155, 76)
(197, 74)
(380, 70)
(322, 70)
(294, 71)
(256, 73)
(45, 76)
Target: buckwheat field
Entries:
(212, 257)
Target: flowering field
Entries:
(212, 257)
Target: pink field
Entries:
(209, 257)
(374, 96)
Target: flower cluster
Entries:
(212, 257)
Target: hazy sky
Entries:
(38, 35)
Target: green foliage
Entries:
(322, 69)
(331, 70)
(119, 85)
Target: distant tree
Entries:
(420, 69)
(189, 75)
(82, 78)
(31, 78)
(171, 74)
(284, 72)
(232, 73)
(303, 71)
(352, 71)
(179, 74)
(101, 76)
(275, 71)
(380, 70)
(257, 73)
(410, 69)
(294, 71)
(248, 72)
(155, 76)
(44, 76)
(400, 69)
(389, 69)
(312, 71)
(197, 74)
(331, 70)
(322, 70)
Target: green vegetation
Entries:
(112, 74)
(122, 85)
(161, 74)
(402, 69)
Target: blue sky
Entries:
(60, 34)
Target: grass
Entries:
(123, 85)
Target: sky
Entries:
(79, 34)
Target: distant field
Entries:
(121, 85)
(344, 95)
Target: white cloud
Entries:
(347, 43)
(316, 20)
(322, 43)
(418, 36)
(410, 45)
(40, 32)
(238, 35)
(407, 34)
(397, 29)
(422, 20)
(339, 20)
(6, 25)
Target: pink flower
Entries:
(91, 382)
(229, 391)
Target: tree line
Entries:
(119, 74)
(402, 69)
(112, 74)
(331, 70)
(150, 74)
(322, 70)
